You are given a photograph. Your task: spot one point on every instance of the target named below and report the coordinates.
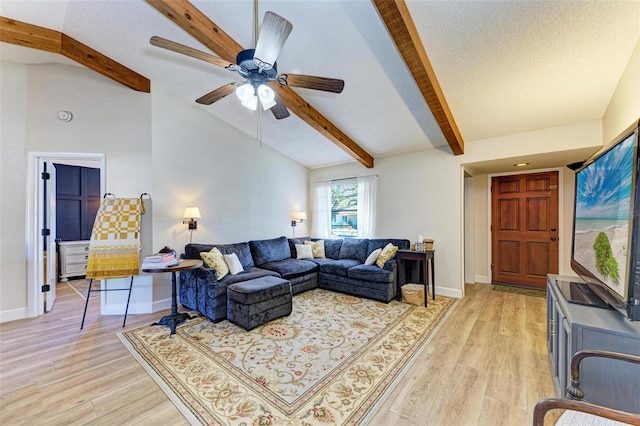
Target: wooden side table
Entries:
(175, 317)
(428, 263)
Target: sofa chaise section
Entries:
(201, 290)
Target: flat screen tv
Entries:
(606, 228)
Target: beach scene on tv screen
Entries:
(603, 204)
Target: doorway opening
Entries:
(41, 233)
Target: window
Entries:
(345, 208)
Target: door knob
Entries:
(553, 238)
(553, 229)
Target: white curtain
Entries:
(322, 210)
(367, 206)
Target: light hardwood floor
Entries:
(486, 365)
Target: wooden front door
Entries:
(524, 228)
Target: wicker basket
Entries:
(413, 293)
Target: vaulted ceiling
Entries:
(428, 74)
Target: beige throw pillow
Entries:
(388, 252)
(317, 248)
(233, 263)
(371, 259)
(303, 251)
(214, 260)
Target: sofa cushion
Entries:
(321, 260)
(332, 248)
(290, 268)
(370, 273)
(388, 252)
(264, 251)
(258, 290)
(354, 248)
(339, 267)
(317, 248)
(293, 242)
(192, 251)
(215, 260)
(248, 274)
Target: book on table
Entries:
(159, 260)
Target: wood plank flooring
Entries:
(486, 365)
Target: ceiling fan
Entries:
(258, 68)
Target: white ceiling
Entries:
(504, 66)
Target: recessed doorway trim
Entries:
(35, 220)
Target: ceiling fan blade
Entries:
(217, 94)
(189, 51)
(273, 34)
(279, 110)
(312, 82)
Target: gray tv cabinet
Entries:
(572, 327)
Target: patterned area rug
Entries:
(332, 361)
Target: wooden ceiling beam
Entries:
(35, 37)
(397, 19)
(193, 21)
(312, 117)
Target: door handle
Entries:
(553, 229)
(553, 238)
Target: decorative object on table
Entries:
(191, 213)
(414, 294)
(329, 361)
(424, 245)
(162, 259)
(297, 217)
(114, 247)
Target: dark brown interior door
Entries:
(524, 228)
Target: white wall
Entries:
(422, 192)
(244, 191)
(624, 107)
(13, 129)
(154, 143)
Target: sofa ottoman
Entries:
(255, 302)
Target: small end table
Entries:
(175, 317)
(428, 262)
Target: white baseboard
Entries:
(13, 314)
(484, 279)
(449, 292)
(161, 305)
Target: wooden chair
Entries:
(574, 401)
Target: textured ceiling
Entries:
(504, 67)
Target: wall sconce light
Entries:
(298, 217)
(191, 213)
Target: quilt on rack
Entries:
(114, 248)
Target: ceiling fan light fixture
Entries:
(251, 103)
(267, 96)
(245, 92)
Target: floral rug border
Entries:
(197, 413)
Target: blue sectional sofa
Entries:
(342, 269)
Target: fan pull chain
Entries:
(255, 23)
